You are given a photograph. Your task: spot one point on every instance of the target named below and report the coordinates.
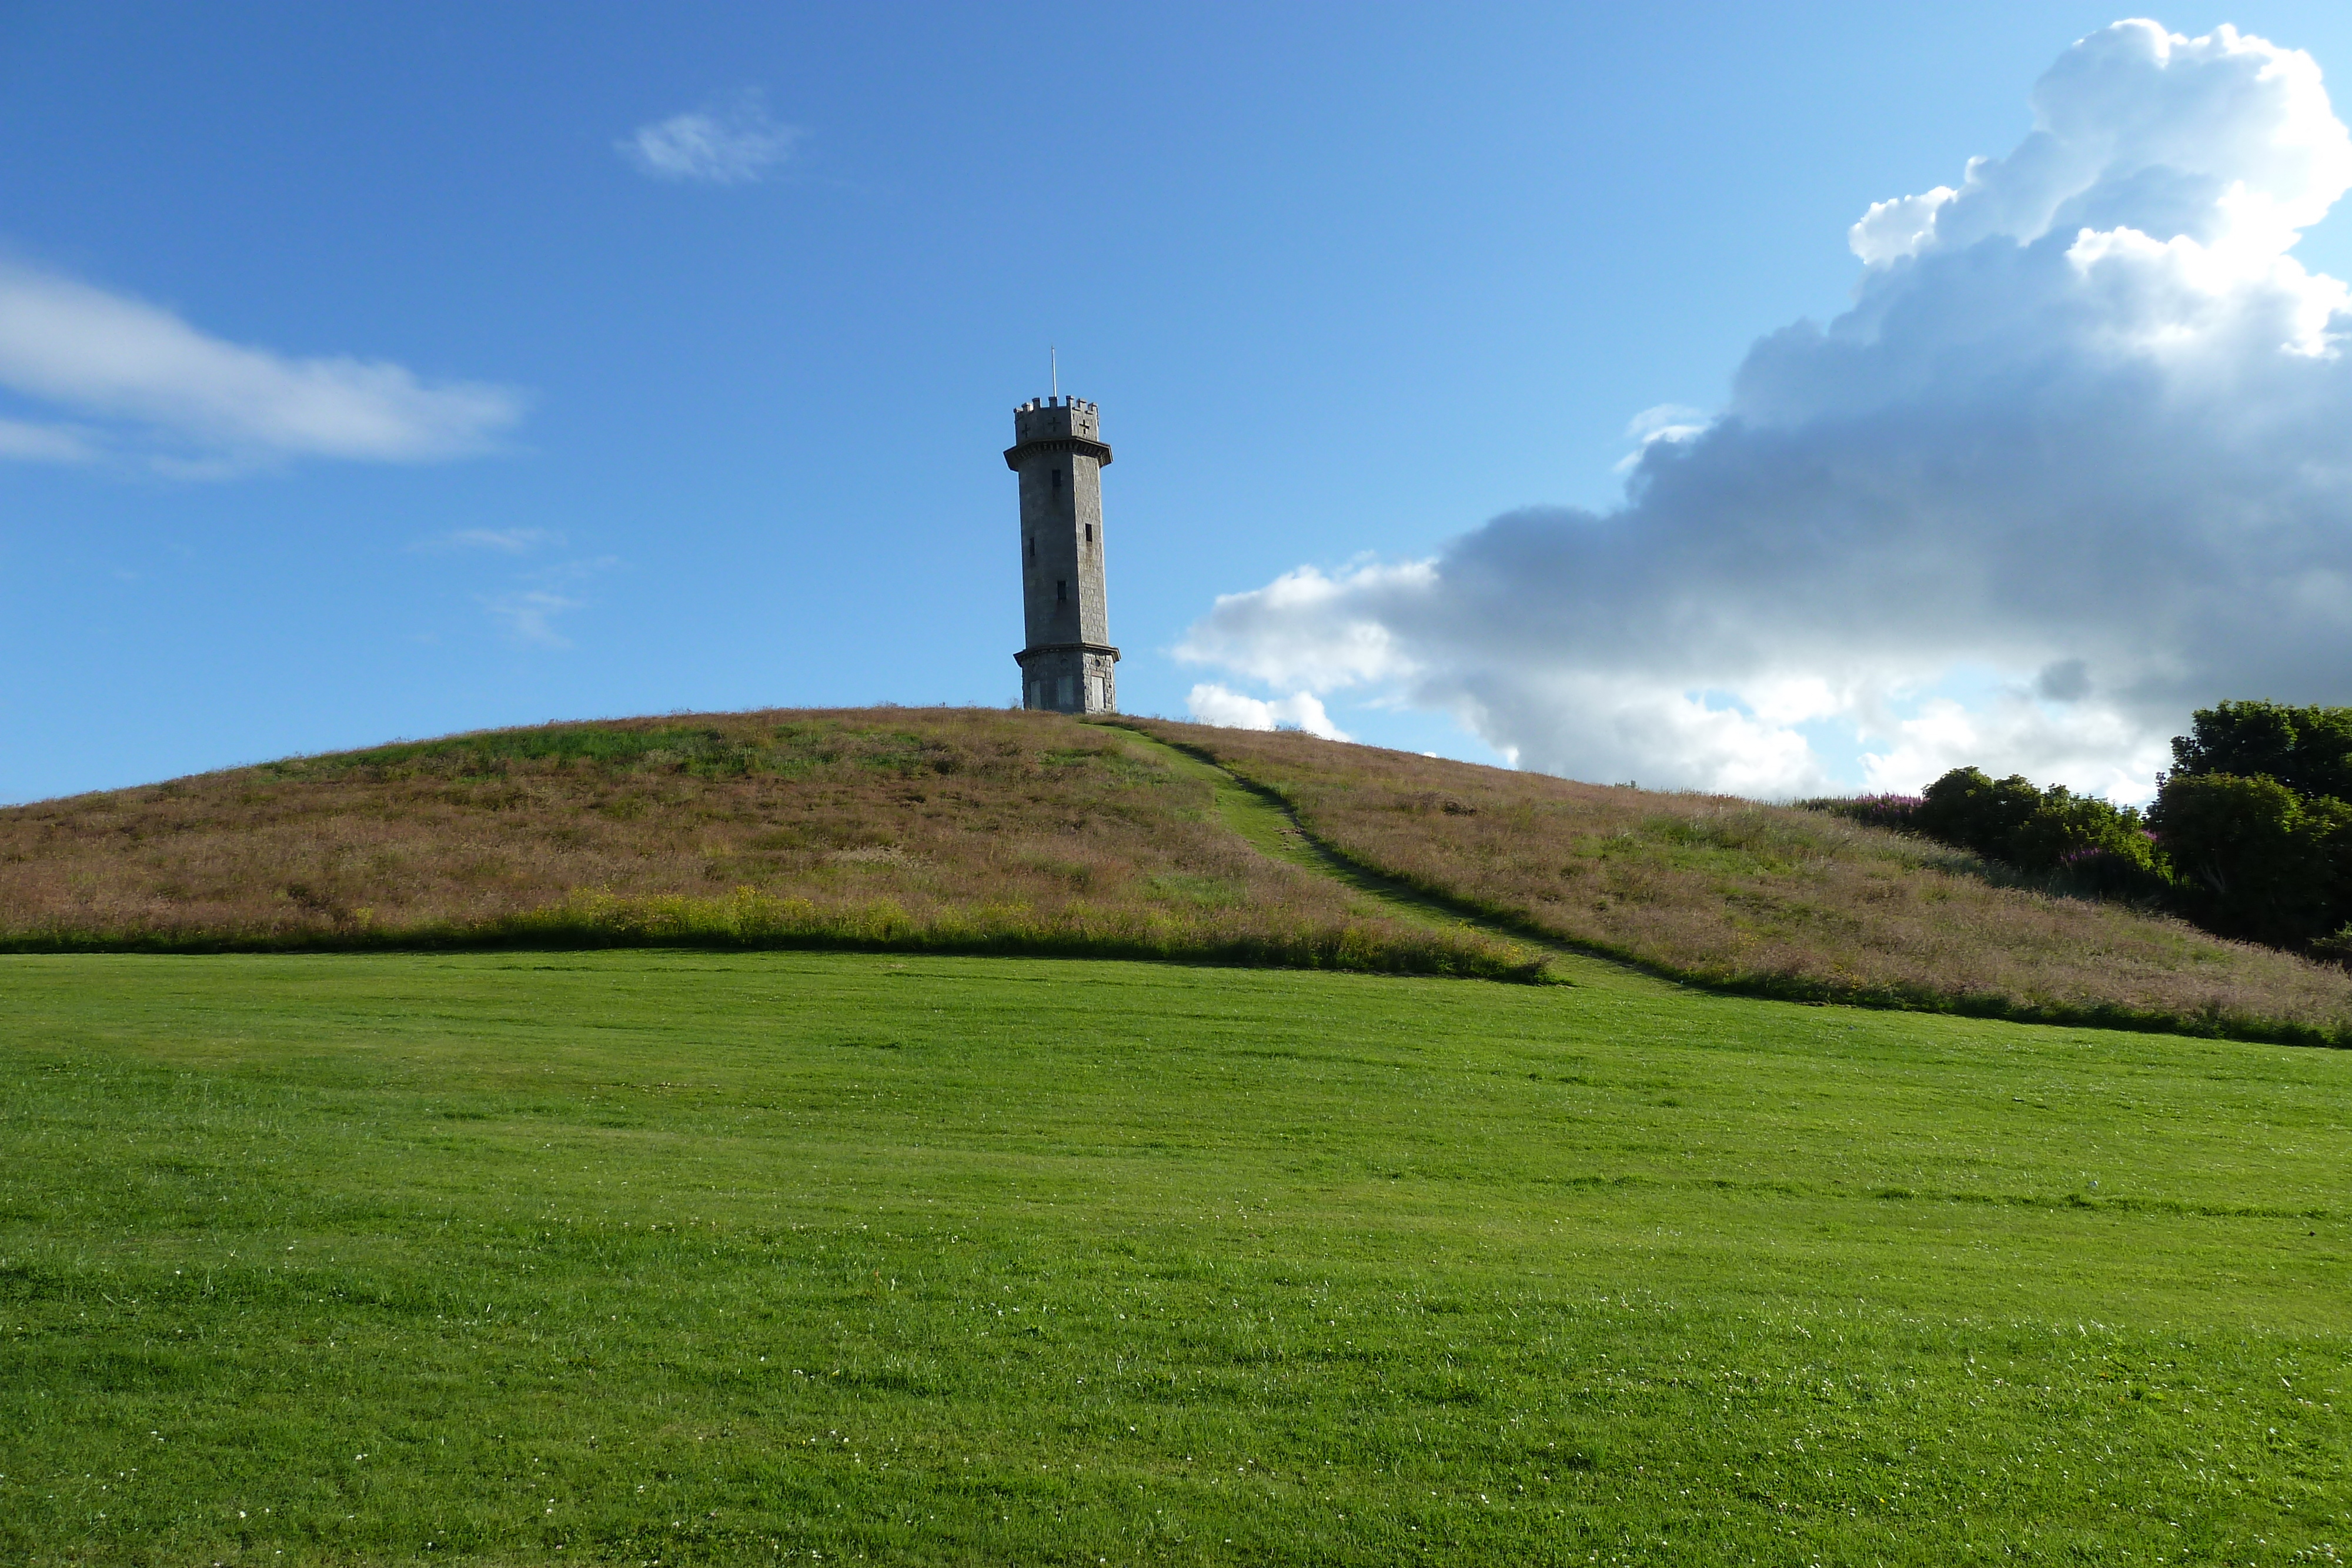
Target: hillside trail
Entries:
(1265, 821)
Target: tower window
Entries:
(1032, 541)
(1061, 589)
(1057, 481)
(1090, 533)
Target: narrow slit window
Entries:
(1090, 533)
(1061, 589)
(1057, 481)
(1031, 539)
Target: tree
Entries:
(2255, 821)
(2254, 858)
(2307, 750)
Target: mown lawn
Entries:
(682, 1257)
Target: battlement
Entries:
(1058, 424)
(1056, 418)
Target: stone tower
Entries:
(1057, 452)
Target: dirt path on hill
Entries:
(1268, 824)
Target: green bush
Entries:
(1972, 811)
(2250, 835)
(2035, 829)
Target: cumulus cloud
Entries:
(729, 146)
(1217, 704)
(188, 402)
(2072, 464)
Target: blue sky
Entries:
(1346, 282)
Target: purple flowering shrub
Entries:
(1895, 813)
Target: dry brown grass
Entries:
(963, 829)
(1770, 899)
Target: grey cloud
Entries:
(2081, 434)
(2066, 681)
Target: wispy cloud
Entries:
(27, 443)
(530, 612)
(530, 615)
(193, 405)
(733, 145)
(504, 542)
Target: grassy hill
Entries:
(963, 829)
(698, 1257)
(977, 830)
(349, 1249)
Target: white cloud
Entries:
(1323, 632)
(1218, 706)
(2100, 751)
(731, 146)
(1903, 227)
(2083, 428)
(191, 405)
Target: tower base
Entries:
(1069, 677)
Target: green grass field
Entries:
(687, 1258)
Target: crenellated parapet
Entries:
(1056, 425)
